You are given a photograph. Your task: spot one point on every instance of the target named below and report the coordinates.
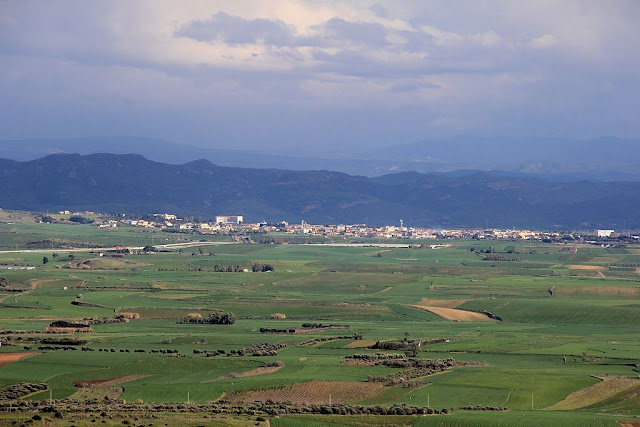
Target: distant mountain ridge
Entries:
(132, 183)
(602, 159)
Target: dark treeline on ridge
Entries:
(133, 184)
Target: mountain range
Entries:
(601, 159)
(132, 183)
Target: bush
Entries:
(194, 317)
(17, 391)
(261, 268)
(212, 319)
(127, 316)
(278, 316)
(81, 219)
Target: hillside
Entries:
(131, 183)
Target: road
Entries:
(112, 248)
(170, 246)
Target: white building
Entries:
(605, 233)
(229, 219)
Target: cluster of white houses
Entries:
(235, 223)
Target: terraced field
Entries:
(346, 326)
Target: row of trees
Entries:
(269, 408)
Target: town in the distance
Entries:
(235, 225)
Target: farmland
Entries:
(550, 335)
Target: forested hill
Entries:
(131, 183)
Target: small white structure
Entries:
(605, 233)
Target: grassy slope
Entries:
(521, 356)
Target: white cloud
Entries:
(543, 42)
(471, 62)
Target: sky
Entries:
(319, 75)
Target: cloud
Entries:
(543, 42)
(224, 28)
(379, 10)
(563, 67)
(339, 31)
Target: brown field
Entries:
(99, 392)
(444, 303)
(252, 373)
(107, 382)
(312, 392)
(360, 344)
(456, 315)
(587, 267)
(610, 386)
(7, 358)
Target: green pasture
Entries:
(546, 346)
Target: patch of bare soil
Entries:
(444, 303)
(7, 358)
(587, 267)
(457, 315)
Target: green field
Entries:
(545, 347)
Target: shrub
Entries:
(278, 316)
(212, 319)
(80, 219)
(194, 317)
(127, 316)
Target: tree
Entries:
(81, 219)
(45, 260)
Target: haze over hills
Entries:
(132, 183)
(603, 159)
